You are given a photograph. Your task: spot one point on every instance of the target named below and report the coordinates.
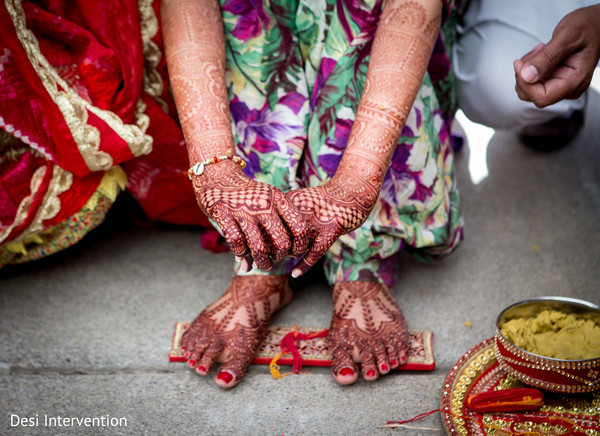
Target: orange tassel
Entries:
(508, 400)
(289, 344)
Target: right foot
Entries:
(232, 328)
(367, 327)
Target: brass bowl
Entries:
(557, 375)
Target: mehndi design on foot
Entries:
(232, 328)
(367, 327)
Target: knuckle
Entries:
(279, 256)
(540, 102)
(282, 246)
(259, 247)
(232, 236)
(312, 257)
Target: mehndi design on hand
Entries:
(401, 50)
(332, 210)
(251, 214)
(256, 219)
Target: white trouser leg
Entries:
(492, 36)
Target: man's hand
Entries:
(563, 68)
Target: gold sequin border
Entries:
(458, 382)
(472, 365)
(74, 108)
(531, 361)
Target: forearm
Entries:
(195, 54)
(401, 50)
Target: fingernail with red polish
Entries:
(202, 368)
(384, 367)
(225, 376)
(371, 373)
(346, 371)
(192, 363)
(394, 362)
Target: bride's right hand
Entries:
(257, 220)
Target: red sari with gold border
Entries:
(85, 111)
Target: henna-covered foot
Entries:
(232, 328)
(367, 327)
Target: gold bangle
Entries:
(198, 169)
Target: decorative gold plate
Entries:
(478, 371)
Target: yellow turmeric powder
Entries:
(555, 334)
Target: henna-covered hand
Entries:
(401, 50)
(334, 209)
(257, 220)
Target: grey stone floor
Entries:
(86, 333)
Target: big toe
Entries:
(231, 372)
(346, 375)
(226, 379)
(343, 369)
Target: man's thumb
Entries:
(543, 61)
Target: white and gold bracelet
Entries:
(198, 169)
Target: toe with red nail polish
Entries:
(225, 377)
(346, 372)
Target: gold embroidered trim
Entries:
(61, 182)
(113, 182)
(57, 238)
(73, 107)
(153, 83)
(25, 204)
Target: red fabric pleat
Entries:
(97, 49)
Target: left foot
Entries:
(367, 327)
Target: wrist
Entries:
(218, 168)
(362, 166)
(203, 145)
(351, 188)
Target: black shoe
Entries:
(554, 134)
